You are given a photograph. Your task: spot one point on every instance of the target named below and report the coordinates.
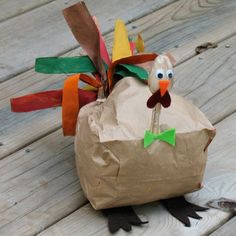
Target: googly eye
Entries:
(170, 74)
(159, 74)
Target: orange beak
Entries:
(164, 85)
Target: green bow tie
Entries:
(167, 136)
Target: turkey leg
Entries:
(122, 218)
(181, 209)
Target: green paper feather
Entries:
(64, 65)
(131, 70)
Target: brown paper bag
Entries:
(113, 166)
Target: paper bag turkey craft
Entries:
(135, 142)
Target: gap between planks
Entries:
(56, 125)
(228, 229)
(47, 26)
(203, 56)
(57, 140)
(91, 222)
(187, 40)
(88, 206)
(11, 8)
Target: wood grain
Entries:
(183, 25)
(12, 8)
(209, 80)
(216, 184)
(220, 162)
(30, 82)
(227, 229)
(38, 185)
(31, 126)
(38, 191)
(43, 31)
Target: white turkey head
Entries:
(161, 76)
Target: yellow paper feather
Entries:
(121, 46)
(89, 88)
(139, 43)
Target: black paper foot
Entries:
(181, 209)
(122, 218)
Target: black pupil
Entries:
(170, 75)
(160, 75)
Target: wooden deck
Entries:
(39, 189)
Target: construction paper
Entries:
(70, 105)
(167, 136)
(121, 46)
(132, 47)
(122, 218)
(103, 48)
(136, 59)
(156, 98)
(37, 101)
(70, 101)
(111, 159)
(89, 88)
(181, 209)
(146, 65)
(138, 71)
(123, 73)
(48, 99)
(132, 44)
(89, 80)
(139, 44)
(85, 31)
(164, 85)
(64, 65)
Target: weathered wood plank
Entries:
(34, 125)
(227, 229)
(13, 170)
(37, 185)
(182, 26)
(28, 224)
(211, 81)
(43, 31)
(90, 222)
(12, 8)
(23, 84)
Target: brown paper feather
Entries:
(86, 33)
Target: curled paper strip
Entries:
(139, 43)
(135, 59)
(86, 33)
(70, 101)
(48, 99)
(71, 98)
(97, 62)
(103, 48)
(132, 70)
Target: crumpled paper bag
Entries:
(113, 166)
